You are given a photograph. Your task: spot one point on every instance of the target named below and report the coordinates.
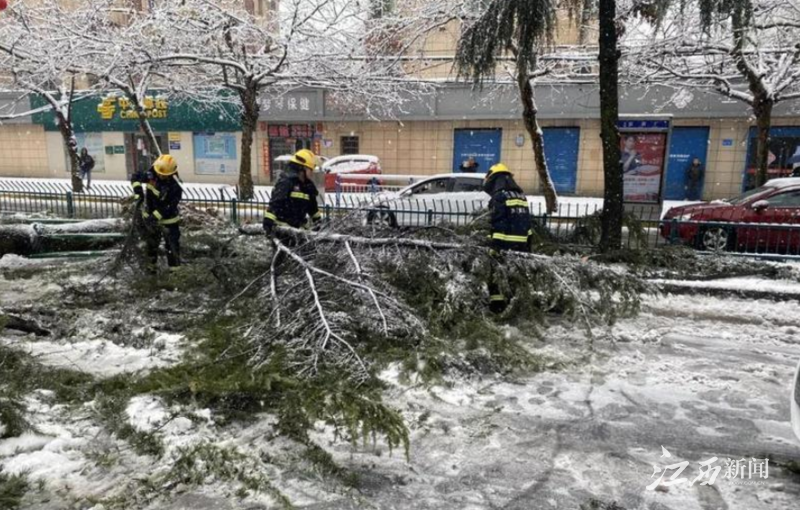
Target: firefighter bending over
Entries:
(160, 213)
(510, 222)
(294, 198)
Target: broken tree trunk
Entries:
(37, 238)
(19, 323)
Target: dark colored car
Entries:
(765, 219)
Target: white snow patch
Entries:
(27, 442)
(100, 357)
(739, 284)
(146, 413)
(44, 464)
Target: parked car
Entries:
(279, 163)
(765, 219)
(349, 164)
(451, 198)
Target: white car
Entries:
(279, 163)
(451, 198)
(350, 163)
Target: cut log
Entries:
(19, 323)
(83, 236)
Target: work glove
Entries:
(269, 227)
(320, 224)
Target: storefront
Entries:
(204, 140)
(286, 139)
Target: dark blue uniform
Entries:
(162, 216)
(293, 201)
(510, 224)
(511, 216)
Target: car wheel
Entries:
(382, 217)
(715, 239)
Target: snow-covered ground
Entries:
(701, 376)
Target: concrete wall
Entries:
(426, 148)
(23, 149)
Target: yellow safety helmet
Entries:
(304, 157)
(165, 165)
(496, 169)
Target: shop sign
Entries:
(643, 124)
(174, 141)
(290, 131)
(154, 108)
(288, 103)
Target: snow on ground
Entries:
(752, 284)
(702, 376)
(101, 357)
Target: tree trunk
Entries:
(611, 235)
(529, 112)
(587, 14)
(30, 239)
(249, 123)
(144, 125)
(71, 143)
(762, 108)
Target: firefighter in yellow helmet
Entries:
(510, 222)
(161, 212)
(294, 198)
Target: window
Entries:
(264, 7)
(431, 187)
(349, 145)
(380, 8)
(468, 185)
(786, 199)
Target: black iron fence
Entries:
(573, 223)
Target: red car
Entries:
(350, 164)
(765, 219)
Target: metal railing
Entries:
(573, 223)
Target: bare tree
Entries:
(521, 28)
(747, 50)
(317, 43)
(43, 63)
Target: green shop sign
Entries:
(115, 113)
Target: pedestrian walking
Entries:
(86, 164)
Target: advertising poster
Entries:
(174, 141)
(215, 154)
(643, 165)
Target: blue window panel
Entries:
(482, 144)
(686, 144)
(561, 146)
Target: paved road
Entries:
(704, 377)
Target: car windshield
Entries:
(746, 196)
